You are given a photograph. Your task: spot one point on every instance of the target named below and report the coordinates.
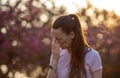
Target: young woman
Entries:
(71, 56)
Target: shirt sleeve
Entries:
(96, 63)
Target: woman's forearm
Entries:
(97, 74)
(51, 74)
(52, 69)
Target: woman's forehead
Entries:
(57, 32)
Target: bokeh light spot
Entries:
(4, 68)
(14, 43)
(3, 30)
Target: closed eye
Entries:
(58, 39)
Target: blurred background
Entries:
(25, 34)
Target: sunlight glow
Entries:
(3, 1)
(110, 5)
(89, 12)
(71, 5)
(49, 5)
(72, 9)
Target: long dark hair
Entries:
(70, 23)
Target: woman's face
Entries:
(64, 40)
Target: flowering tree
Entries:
(103, 35)
(25, 37)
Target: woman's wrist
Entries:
(54, 64)
(53, 68)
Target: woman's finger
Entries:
(55, 49)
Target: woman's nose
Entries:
(59, 42)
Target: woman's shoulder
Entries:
(92, 54)
(93, 60)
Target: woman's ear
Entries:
(72, 34)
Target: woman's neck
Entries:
(69, 50)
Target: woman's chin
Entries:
(63, 47)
